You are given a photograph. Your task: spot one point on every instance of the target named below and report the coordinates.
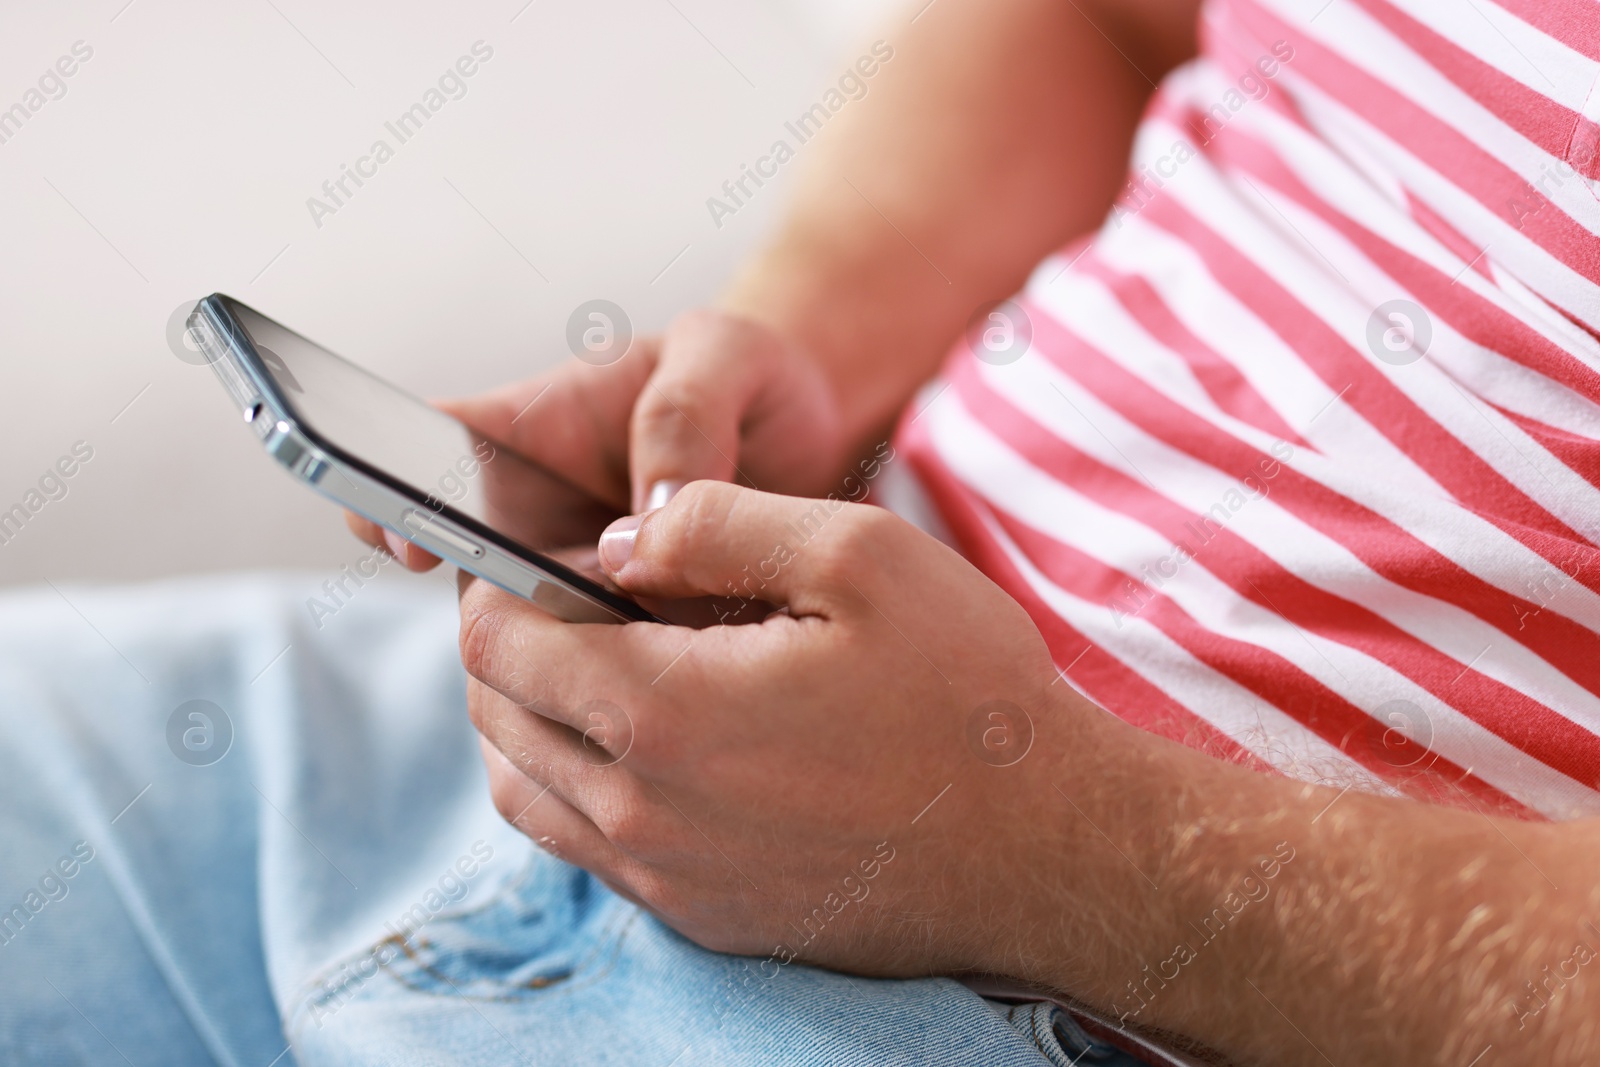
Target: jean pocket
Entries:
(553, 926)
(549, 928)
(1064, 1043)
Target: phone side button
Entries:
(425, 529)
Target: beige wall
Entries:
(179, 161)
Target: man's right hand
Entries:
(715, 396)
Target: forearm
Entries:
(1285, 923)
(999, 130)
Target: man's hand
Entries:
(780, 789)
(755, 769)
(715, 396)
(887, 777)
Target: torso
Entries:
(1300, 464)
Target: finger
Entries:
(687, 419)
(412, 557)
(537, 811)
(364, 528)
(573, 420)
(726, 540)
(582, 767)
(557, 827)
(563, 671)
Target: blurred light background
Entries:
(179, 161)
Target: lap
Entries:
(312, 870)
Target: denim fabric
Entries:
(336, 888)
(1058, 1036)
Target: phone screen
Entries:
(399, 439)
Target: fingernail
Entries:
(396, 544)
(661, 494)
(616, 544)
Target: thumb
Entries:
(686, 421)
(716, 539)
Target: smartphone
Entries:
(383, 453)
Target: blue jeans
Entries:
(241, 831)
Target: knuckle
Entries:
(677, 400)
(855, 535)
(839, 552)
(654, 413)
(631, 821)
(483, 633)
(700, 509)
(831, 563)
(704, 504)
(660, 894)
(625, 821)
(871, 526)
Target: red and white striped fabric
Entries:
(1302, 463)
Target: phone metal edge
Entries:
(282, 438)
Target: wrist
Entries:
(1140, 855)
(1098, 839)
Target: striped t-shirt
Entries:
(1296, 460)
